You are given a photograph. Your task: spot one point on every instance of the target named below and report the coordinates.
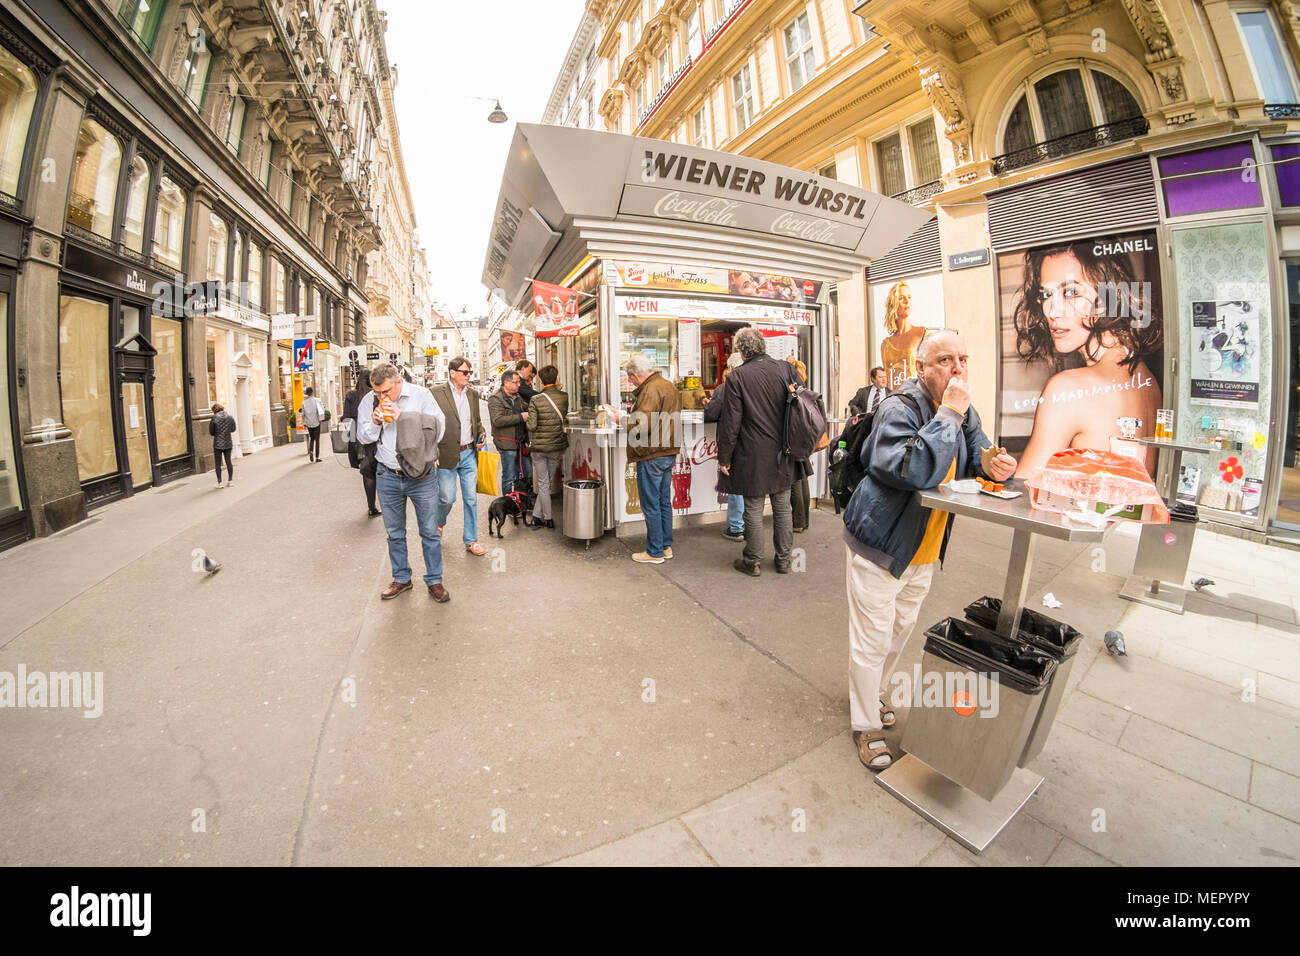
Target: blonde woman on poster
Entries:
(1085, 313)
(898, 350)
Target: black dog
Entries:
(513, 505)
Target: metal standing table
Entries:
(962, 814)
(1164, 550)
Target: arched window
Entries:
(138, 177)
(1067, 102)
(94, 179)
(17, 97)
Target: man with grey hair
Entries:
(923, 434)
(653, 440)
(377, 415)
(751, 460)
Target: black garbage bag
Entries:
(1035, 627)
(1018, 664)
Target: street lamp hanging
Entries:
(497, 115)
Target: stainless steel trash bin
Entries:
(1058, 639)
(584, 509)
(990, 692)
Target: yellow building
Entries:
(1154, 139)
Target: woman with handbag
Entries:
(361, 457)
(547, 416)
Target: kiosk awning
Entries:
(570, 192)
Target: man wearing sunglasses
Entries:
(390, 398)
(459, 448)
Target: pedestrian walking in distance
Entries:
(800, 503)
(869, 396)
(361, 457)
(923, 434)
(547, 439)
(221, 427)
(458, 452)
(654, 430)
(313, 413)
(405, 424)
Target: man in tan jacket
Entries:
(653, 438)
(459, 448)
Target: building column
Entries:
(49, 452)
(200, 408)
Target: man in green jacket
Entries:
(653, 440)
(458, 450)
(547, 439)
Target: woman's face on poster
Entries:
(904, 306)
(1069, 302)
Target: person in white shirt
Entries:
(313, 413)
(458, 451)
(377, 416)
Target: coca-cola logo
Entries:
(803, 227)
(704, 449)
(717, 212)
(809, 288)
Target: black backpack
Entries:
(846, 473)
(805, 420)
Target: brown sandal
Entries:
(869, 755)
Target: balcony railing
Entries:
(1283, 110)
(1079, 142)
(919, 194)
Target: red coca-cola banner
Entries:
(556, 309)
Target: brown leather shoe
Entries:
(394, 589)
(439, 593)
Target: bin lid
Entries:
(583, 484)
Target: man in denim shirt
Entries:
(377, 417)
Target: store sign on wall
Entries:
(666, 308)
(745, 283)
(686, 185)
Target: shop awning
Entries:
(569, 192)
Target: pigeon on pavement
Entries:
(1200, 583)
(1115, 644)
(212, 567)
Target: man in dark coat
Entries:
(509, 416)
(220, 427)
(750, 460)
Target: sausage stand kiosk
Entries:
(673, 249)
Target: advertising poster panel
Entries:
(1225, 365)
(901, 313)
(1082, 346)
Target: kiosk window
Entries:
(656, 339)
(587, 381)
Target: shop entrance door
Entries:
(1288, 506)
(135, 432)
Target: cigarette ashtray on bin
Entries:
(1057, 638)
(584, 509)
(978, 698)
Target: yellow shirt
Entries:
(928, 552)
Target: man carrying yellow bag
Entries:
(458, 451)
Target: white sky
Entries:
(446, 54)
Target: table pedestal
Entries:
(969, 819)
(1154, 593)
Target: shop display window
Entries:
(169, 225)
(656, 339)
(138, 178)
(1226, 383)
(169, 389)
(17, 99)
(218, 349)
(586, 384)
(94, 179)
(10, 495)
(84, 383)
(257, 380)
(1220, 185)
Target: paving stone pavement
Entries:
(571, 707)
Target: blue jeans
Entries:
(467, 471)
(393, 489)
(509, 452)
(654, 483)
(736, 514)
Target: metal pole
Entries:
(1017, 585)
